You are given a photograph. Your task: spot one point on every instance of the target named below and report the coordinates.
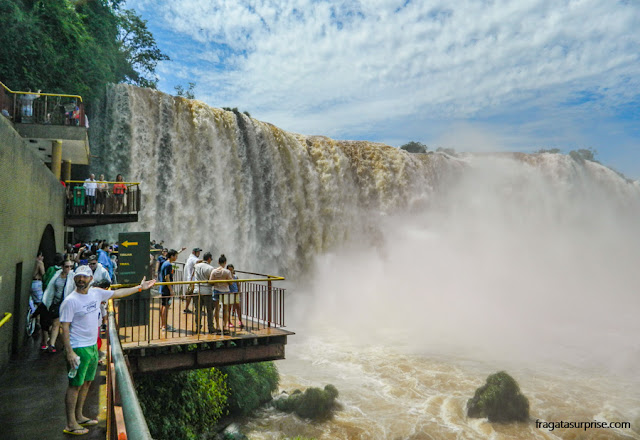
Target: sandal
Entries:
(82, 431)
(51, 349)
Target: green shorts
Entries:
(88, 365)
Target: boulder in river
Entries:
(500, 400)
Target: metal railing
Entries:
(105, 201)
(261, 306)
(7, 316)
(124, 414)
(42, 108)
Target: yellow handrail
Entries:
(41, 94)
(7, 316)
(172, 283)
(101, 181)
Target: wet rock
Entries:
(313, 403)
(232, 432)
(500, 400)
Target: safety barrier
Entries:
(125, 419)
(260, 306)
(7, 316)
(42, 108)
(112, 198)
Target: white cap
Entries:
(83, 270)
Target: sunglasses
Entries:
(66, 266)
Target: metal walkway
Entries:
(32, 390)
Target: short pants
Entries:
(88, 365)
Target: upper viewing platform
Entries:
(45, 120)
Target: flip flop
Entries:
(82, 431)
(88, 422)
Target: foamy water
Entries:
(386, 393)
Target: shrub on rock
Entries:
(500, 400)
(314, 403)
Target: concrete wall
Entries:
(31, 217)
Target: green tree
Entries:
(140, 50)
(414, 147)
(250, 385)
(186, 93)
(61, 46)
(584, 154)
(182, 405)
(551, 150)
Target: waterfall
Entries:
(272, 200)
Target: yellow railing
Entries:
(48, 112)
(7, 316)
(102, 181)
(174, 283)
(106, 200)
(60, 95)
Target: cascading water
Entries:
(415, 276)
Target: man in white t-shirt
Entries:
(90, 187)
(79, 314)
(193, 259)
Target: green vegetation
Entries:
(414, 147)
(550, 150)
(186, 93)
(189, 404)
(584, 154)
(500, 400)
(60, 46)
(250, 385)
(314, 403)
(183, 405)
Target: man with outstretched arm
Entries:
(79, 321)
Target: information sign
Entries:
(133, 256)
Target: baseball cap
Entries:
(196, 249)
(83, 270)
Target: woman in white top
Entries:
(57, 290)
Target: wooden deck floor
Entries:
(187, 329)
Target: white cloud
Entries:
(329, 67)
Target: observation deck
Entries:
(53, 125)
(35, 382)
(120, 202)
(256, 335)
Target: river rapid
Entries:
(411, 277)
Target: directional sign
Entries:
(133, 256)
(133, 264)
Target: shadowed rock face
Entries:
(500, 400)
(314, 403)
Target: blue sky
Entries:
(472, 74)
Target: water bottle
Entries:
(74, 368)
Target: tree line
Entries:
(60, 46)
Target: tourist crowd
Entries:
(70, 300)
(98, 196)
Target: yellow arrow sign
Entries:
(129, 243)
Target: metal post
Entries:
(269, 302)
(56, 158)
(66, 170)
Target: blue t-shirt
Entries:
(233, 287)
(165, 275)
